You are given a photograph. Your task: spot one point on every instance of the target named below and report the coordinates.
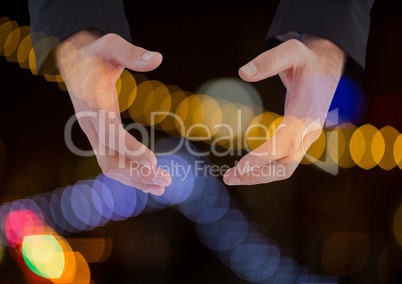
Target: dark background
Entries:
(200, 41)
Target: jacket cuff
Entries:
(52, 21)
(346, 23)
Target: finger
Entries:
(287, 55)
(112, 161)
(119, 165)
(112, 135)
(147, 188)
(127, 145)
(115, 49)
(282, 144)
(286, 139)
(231, 176)
(278, 170)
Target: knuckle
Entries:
(109, 38)
(295, 43)
(130, 52)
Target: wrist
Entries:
(331, 53)
(76, 41)
(83, 37)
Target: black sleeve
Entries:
(53, 21)
(344, 22)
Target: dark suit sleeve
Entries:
(344, 22)
(53, 21)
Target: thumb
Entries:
(290, 54)
(115, 49)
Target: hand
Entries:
(90, 65)
(310, 71)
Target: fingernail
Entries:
(161, 182)
(145, 163)
(147, 56)
(153, 191)
(249, 69)
(234, 181)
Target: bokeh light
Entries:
(6, 28)
(234, 90)
(350, 100)
(224, 131)
(201, 198)
(168, 124)
(398, 151)
(44, 255)
(83, 207)
(226, 233)
(182, 174)
(124, 198)
(126, 90)
(197, 116)
(250, 261)
(150, 94)
(56, 212)
(366, 147)
(339, 144)
(315, 151)
(345, 253)
(21, 222)
(239, 123)
(389, 264)
(24, 49)
(259, 127)
(12, 43)
(208, 203)
(389, 135)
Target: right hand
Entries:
(90, 65)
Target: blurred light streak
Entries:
(6, 28)
(71, 217)
(126, 90)
(13, 41)
(202, 198)
(389, 135)
(94, 250)
(339, 145)
(43, 255)
(23, 217)
(83, 207)
(124, 198)
(182, 179)
(364, 149)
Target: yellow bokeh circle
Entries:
(366, 146)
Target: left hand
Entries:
(310, 71)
